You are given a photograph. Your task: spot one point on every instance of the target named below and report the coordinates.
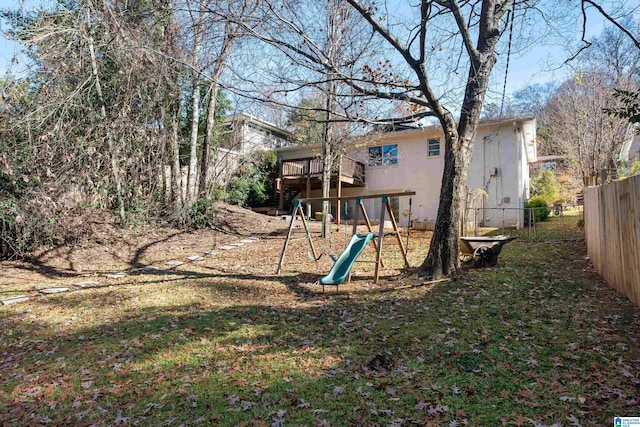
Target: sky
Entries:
(537, 64)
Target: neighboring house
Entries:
(549, 162)
(413, 160)
(244, 133)
(241, 135)
(630, 150)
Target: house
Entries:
(411, 159)
(244, 133)
(241, 135)
(630, 150)
(549, 162)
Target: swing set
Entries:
(341, 269)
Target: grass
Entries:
(540, 340)
(555, 227)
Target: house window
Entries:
(383, 155)
(433, 149)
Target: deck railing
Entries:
(351, 168)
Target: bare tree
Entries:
(486, 20)
(411, 72)
(581, 129)
(240, 10)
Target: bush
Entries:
(25, 225)
(540, 210)
(634, 169)
(545, 185)
(202, 213)
(252, 184)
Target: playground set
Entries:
(341, 270)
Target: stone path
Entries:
(120, 274)
(14, 300)
(55, 290)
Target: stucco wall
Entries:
(499, 165)
(415, 171)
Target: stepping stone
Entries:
(86, 283)
(14, 300)
(55, 290)
(118, 275)
(211, 253)
(226, 248)
(194, 258)
(148, 269)
(174, 262)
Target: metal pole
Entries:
(408, 226)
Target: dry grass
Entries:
(540, 340)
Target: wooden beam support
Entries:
(286, 240)
(370, 196)
(338, 190)
(281, 185)
(376, 276)
(308, 189)
(296, 210)
(370, 229)
(394, 224)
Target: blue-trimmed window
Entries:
(383, 155)
(433, 147)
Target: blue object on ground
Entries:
(340, 270)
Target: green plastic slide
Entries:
(343, 264)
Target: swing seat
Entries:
(340, 270)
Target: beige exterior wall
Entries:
(499, 165)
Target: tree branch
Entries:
(377, 27)
(610, 19)
(453, 6)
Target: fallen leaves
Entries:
(510, 343)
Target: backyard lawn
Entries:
(539, 340)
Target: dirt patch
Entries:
(109, 247)
(112, 255)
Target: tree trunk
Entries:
(207, 143)
(195, 111)
(327, 152)
(443, 258)
(193, 143)
(115, 170)
(174, 153)
(335, 17)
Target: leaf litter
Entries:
(541, 340)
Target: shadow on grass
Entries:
(38, 264)
(538, 338)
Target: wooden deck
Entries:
(298, 171)
(305, 174)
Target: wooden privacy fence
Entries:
(612, 232)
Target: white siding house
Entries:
(244, 133)
(412, 160)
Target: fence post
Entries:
(475, 222)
